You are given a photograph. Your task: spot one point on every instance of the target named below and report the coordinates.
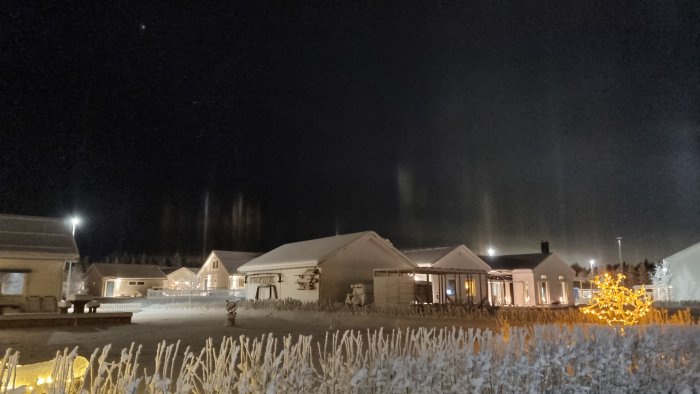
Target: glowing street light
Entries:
(592, 264)
(75, 222)
(491, 252)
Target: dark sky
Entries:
(494, 123)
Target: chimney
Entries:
(544, 245)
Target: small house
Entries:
(34, 254)
(123, 280)
(180, 278)
(535, 279)
(458, 276)
(220, 270)
(320, 269)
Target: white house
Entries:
(458, 275)
(34, 253)
(123, 280)
(684, 274)
(180, 278)
(320, 269)
(535, 279)
(220, 270)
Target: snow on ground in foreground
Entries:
(192, 326)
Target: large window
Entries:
(469, 288)
(12, 283)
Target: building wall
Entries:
(462, 258)
(44, 280)
(523, 288)
(554, 268)
(355, 264)
(284, 282)
(133, 287)
(684, 274)
(210, 277)
(182, 279)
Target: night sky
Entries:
(494, 123)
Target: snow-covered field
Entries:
(467, 356)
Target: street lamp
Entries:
(592, 264)
(619, 254)
(491, 251)
(74, 221)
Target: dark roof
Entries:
(515, 261)
(136, 271)
(39, 235)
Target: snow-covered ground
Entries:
(257, 355)
(192, 326)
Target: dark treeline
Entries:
(637, 274)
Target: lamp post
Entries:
(75, 222)
(592, 264)
(619, 254)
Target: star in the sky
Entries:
(142, 26)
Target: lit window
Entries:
(469, 287)
(12, 283)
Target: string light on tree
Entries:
(616, 304)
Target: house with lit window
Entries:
(453, 275)
(181, 278)
(535, 279)
(34, 255)
(321, 269)
(220, 270)
(123, 280)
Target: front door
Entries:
(109, 288)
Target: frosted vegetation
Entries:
(534, 350)
(538, 359)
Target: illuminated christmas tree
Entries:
(617, 304)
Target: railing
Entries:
(125, 307)
(583, 296)
(168, 293)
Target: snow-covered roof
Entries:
(171, 270)
(427, 257)
(135, 271)
(457, 257)
(304, 253)
(232, 260)
(32, 235)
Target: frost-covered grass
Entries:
(538, 359)
(506, 316)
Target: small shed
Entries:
(683, 274)
(220, 270)
(123, 280)
(321, 269)
(180, 278)
(458, 275)
(34, 253)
